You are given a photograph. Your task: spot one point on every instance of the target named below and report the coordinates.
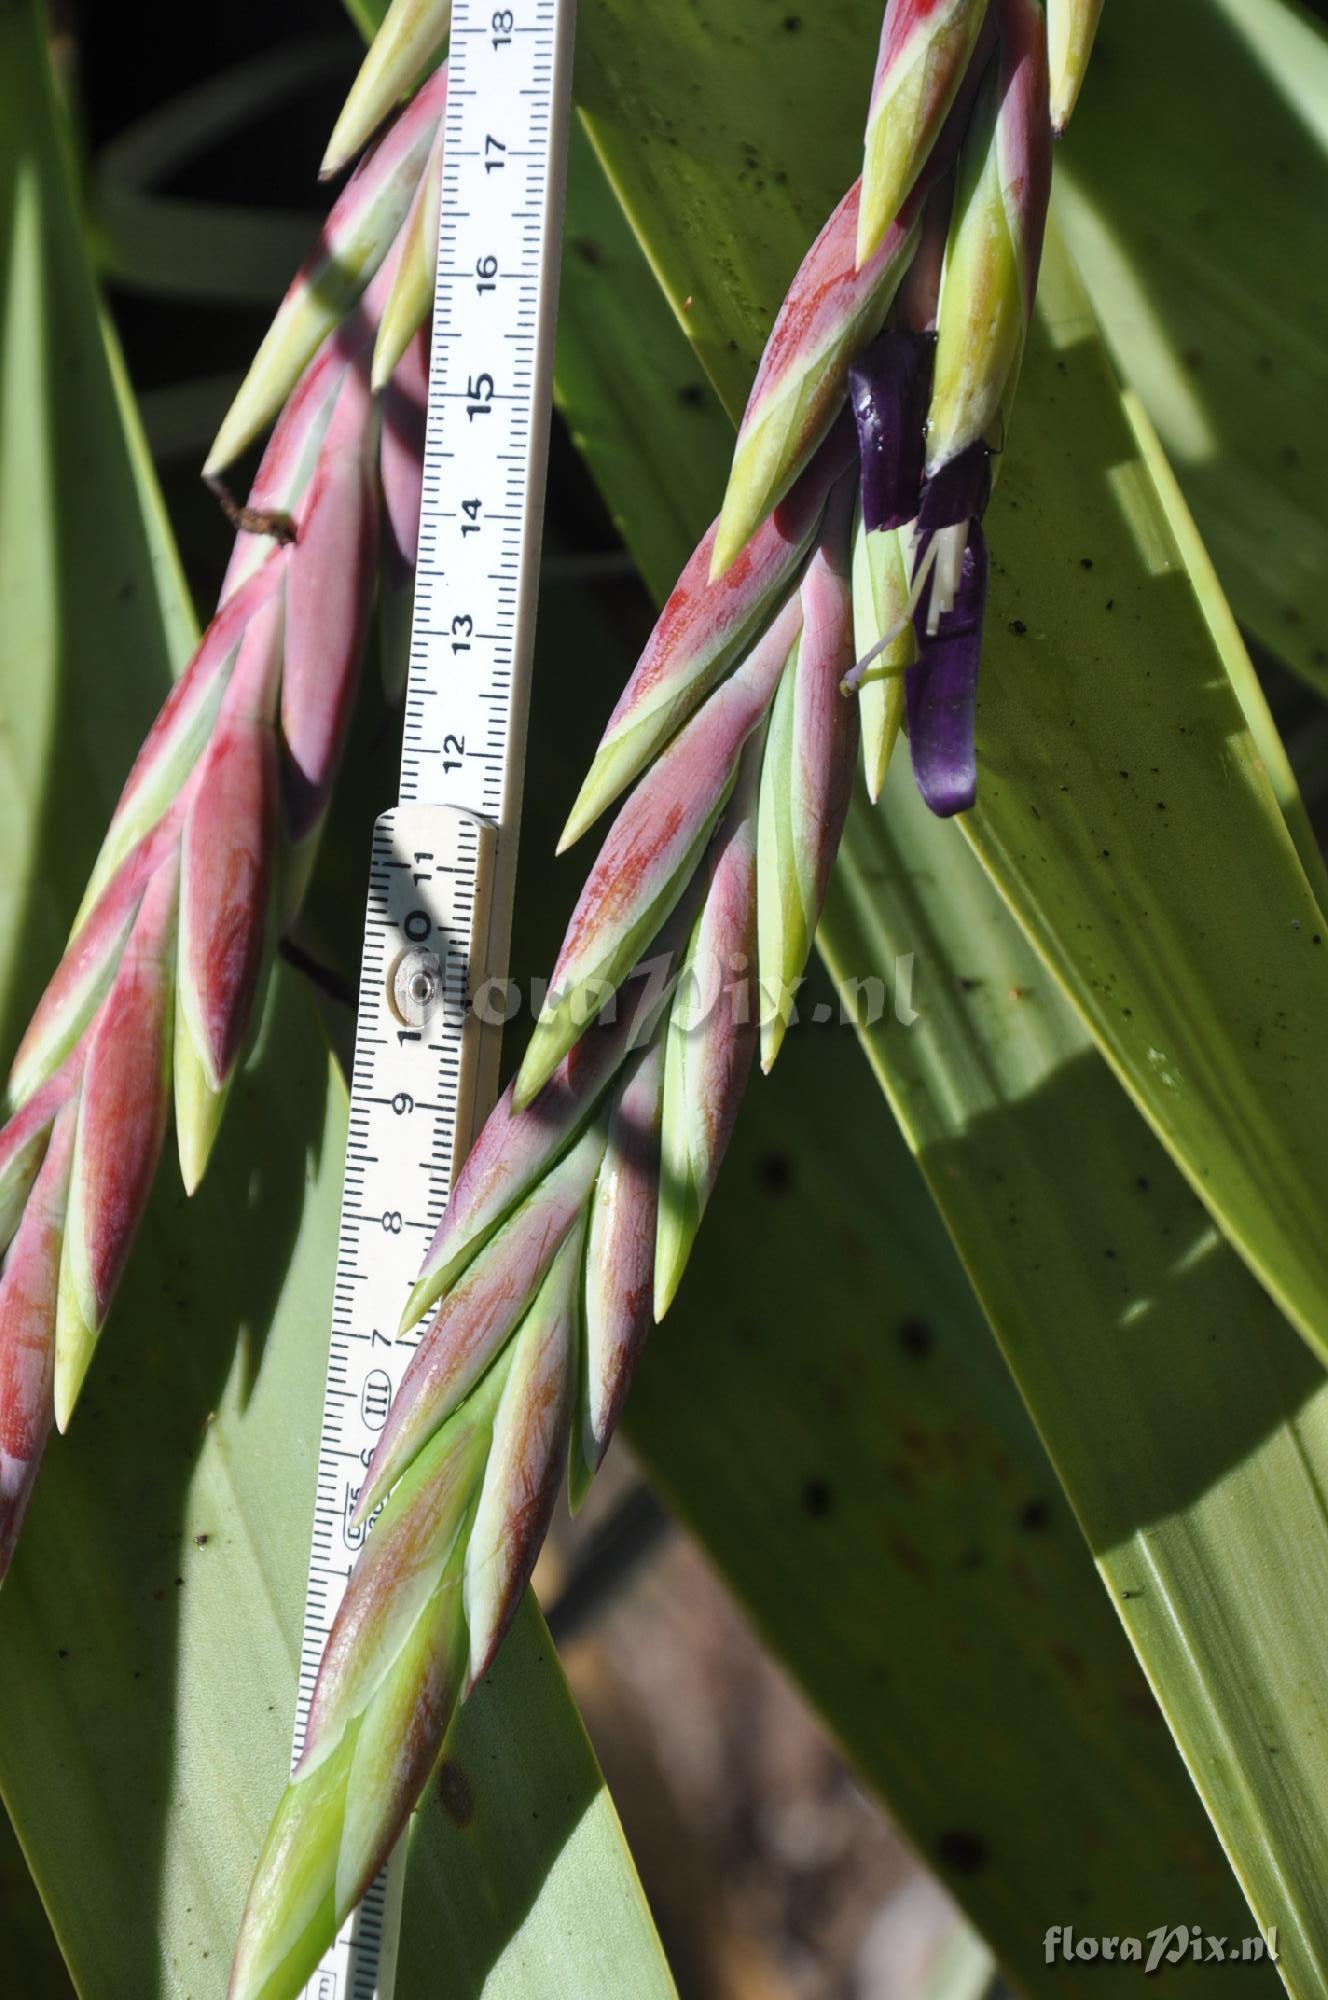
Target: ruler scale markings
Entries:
(442, 865)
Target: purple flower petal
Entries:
(890, 387)
(941, 691)
(958, 492)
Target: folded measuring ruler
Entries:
(441, 877)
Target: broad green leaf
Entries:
(822, 1405)
(149, 1629)
(1195, 240)
(1126, 816)
(1185, 1420)
(1109, 1288)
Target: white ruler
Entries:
(440, 895)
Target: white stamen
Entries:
(858, 673)
(948, 545)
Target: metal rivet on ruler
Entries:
(415, 985)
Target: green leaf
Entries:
(871, 1489)
(149, 1629)
(1199, 1479)
(1184, 1418)
(1194, 241)
(1125, 815)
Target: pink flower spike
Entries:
(619, 1264)
(225, 883)
(121, 1122)
(806, 777)
(353, 244)
(995, 244)
(81, 979)
(513, 1151)
(387, 1685)
(926, 46)
(651, 852)
(27, 1332)
(833, 309)
(182, 728)
(702, 629)
(712, 1032)
(24, 1138)
(530, 1428)
(329, 591)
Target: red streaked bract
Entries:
(650, 854)
(353, 243)
(27, 1331)
(121, 1122)
(995, 244)
(480, 1313)
(328, 593)
(925, 49)
(617, 1306)
(226, 867)
(712, 1033)
(833, 309)
(704, 627)
(521, 1477)
(806, 777)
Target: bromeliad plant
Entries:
(1125, 821)
(838, 596)
(840, 591)
(219, 819)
